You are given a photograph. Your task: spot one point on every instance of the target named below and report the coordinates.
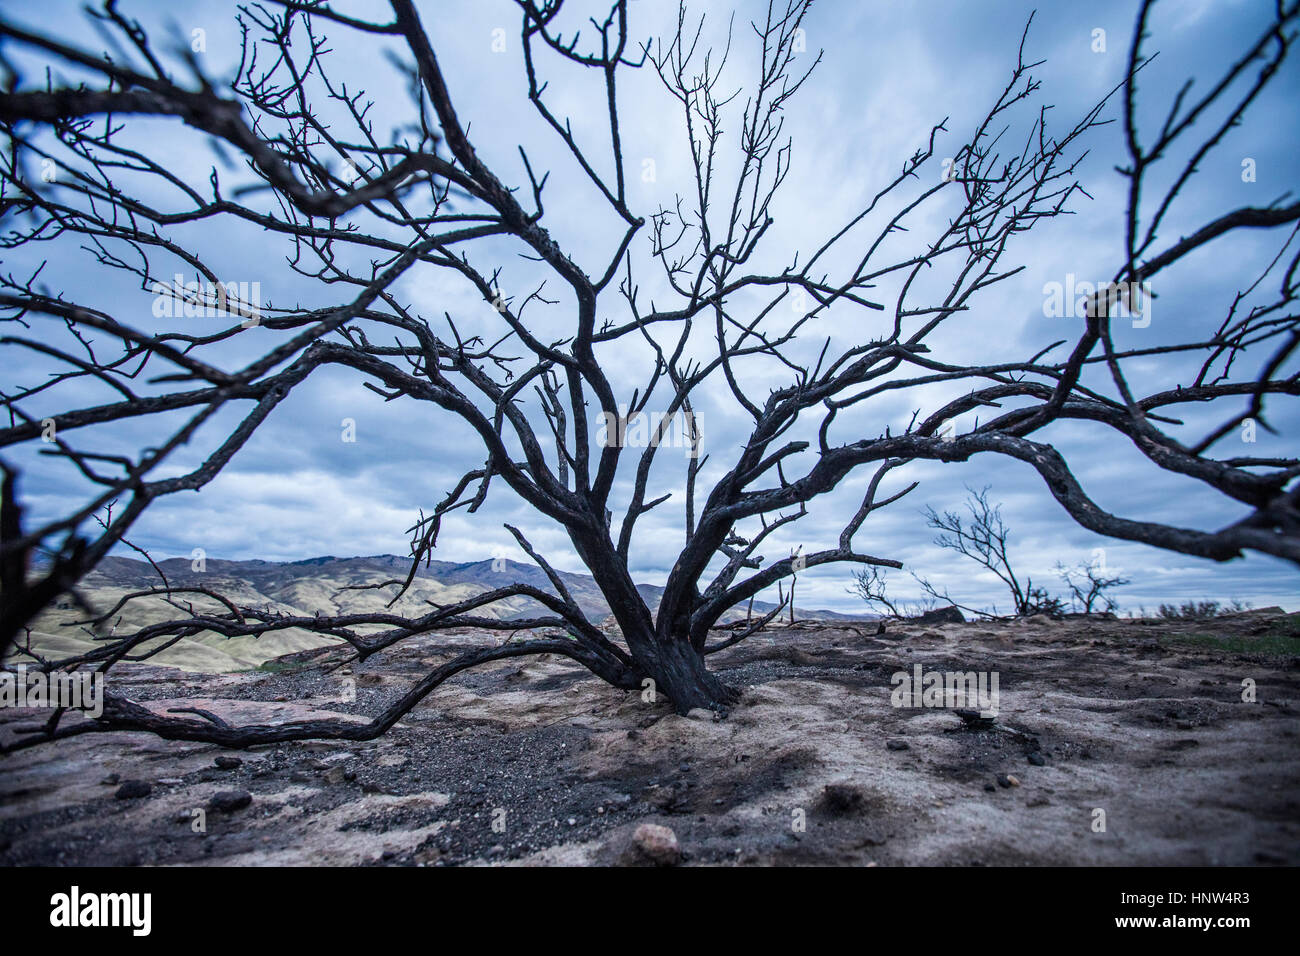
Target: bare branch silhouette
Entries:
(357, 211)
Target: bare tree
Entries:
(981, 535)
(1089, 584)
(357, 210)
(872, 585)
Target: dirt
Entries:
(539, 763)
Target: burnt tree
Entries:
(356, 210)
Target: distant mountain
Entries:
(327, 584)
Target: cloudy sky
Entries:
(890, 70)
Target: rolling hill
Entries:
(328, 585)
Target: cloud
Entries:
(891, 71)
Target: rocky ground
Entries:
(537, 763)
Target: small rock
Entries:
(133, 790)
(228, 801)
(699, 713)
(656, 843)
(990, 788)
(112, 780)
(227, 762)
(1006, 780)
(898, 745)
(1037, 759)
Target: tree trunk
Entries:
(663, 653)
(681, 675)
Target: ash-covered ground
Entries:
(1116, 742)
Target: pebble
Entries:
(228, 801)
(226, 762)
(657, 843)
(1006, 780)
(1037, 759)
(133, 790)
(898, 745)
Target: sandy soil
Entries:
(537, 763)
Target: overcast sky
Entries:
(890, 71)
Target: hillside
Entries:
(326, 585)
